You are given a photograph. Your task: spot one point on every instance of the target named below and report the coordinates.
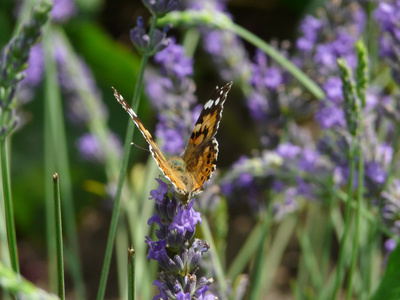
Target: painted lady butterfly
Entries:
(189, 172)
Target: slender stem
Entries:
(131, 274)
(260, 257)
(280, 59)
(346, 232)
(219, 270)
(124, 167)
(59, 240)
(9, 212)
(360, 191)
(247, 250)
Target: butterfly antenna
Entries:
(137, 146)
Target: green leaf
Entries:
(389, 287)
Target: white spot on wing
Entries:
(208, 104)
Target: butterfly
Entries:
(194, 167)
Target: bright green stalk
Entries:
(131, 274)
(59, 240)
(9, 213)
(124, 167)
(223, 22)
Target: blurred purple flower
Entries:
(264, 76)
(174, 62)
(388, 16)
(288, 150)
(258, 106)
(34, 71)
(91, 150)
(63, 10)
(330, 116)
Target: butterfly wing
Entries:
(201, 152)
(155, 151)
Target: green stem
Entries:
(360, 191)
(250, 246)
(260, 257)
(219, 270)
(59, 240)
(280, 59)
(131, 274)
(9, 212)
(124, 167)
(346, 232)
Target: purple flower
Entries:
(333, 89)
(390, 245)
(258, 105)
(34, 71)
(157, 249)
(174, 62)
(375, 173)
(264, 76)
(186, 219)
(182, 296)
(308, 160)
(325, 55)
(158, 194)
(310, 28)
(63, 10)
(386, 15)
(214, 44)
(288, 151)
(91, 149)
(329, 116)
(143, 42)
(173, 139)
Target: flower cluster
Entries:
(177, 251)
(172, 94)
(274, 97)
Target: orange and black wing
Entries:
(201, 152)
(155, 151)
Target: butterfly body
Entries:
(189, 172)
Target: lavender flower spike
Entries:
(176, 250)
